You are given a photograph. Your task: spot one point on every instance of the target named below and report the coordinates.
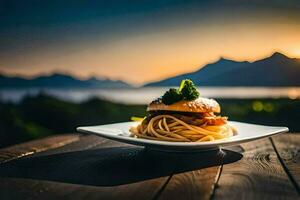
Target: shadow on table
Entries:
(113, 166)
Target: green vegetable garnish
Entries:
(186, 91)
(136, 119)
(171, 96)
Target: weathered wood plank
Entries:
(29, 148)
(86, 142)
(258, 175)
(288, 148)
(24, 189)
(93, 168)
(200, 183)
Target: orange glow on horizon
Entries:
(152, 57)
(295, 53)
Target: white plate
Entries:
(246, 132)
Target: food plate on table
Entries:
(181, 120)
(120, 132)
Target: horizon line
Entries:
(71, 74)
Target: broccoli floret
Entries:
(188, 90)
(171, 96)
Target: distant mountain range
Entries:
(60, 80)
(274, 71)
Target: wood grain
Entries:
(288, 148)
(36, 189)
(86, 142)
(198, 184)
(88, 161)
(258, 175)
(29, 148)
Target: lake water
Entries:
(145, 95)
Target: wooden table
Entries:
(74, 166)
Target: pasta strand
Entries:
(170, 128)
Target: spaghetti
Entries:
(182, 128)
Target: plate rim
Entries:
(208, 144)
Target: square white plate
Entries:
(246, 132)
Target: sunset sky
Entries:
(141, 41)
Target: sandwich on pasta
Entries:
(180, 115)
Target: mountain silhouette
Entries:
(274, 71)
(60, 80)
